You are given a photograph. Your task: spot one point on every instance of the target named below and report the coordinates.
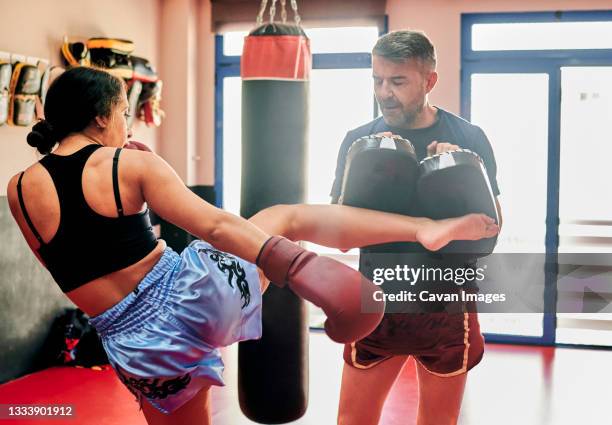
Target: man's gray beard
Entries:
(407, 119)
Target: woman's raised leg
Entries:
(345, 227)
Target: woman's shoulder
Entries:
(32, 180)
(128, 160)
(31, 173)
(11, 189)
(12, 195)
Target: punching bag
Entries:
(275, 68)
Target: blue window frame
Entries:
(547, 62)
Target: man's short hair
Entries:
(400, 46)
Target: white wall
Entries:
(187, 65)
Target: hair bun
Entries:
(42, 137)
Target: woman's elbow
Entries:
(218, 228)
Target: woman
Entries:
(161, 315)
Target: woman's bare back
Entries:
(42, 205)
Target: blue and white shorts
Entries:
(163, 338)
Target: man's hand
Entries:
(436, 147)
(384, 134)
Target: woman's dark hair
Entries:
(73, 100)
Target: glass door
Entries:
(512, 109)
(585, 205)
(540, 85)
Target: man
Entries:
(445, 348)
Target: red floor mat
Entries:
(98, 397)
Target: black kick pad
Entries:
(452, 184)
(380, 174)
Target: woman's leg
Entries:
(439, 397)
(195, 412)
(345, 227)
(364, 391)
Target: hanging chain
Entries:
(262, 9)
(283, 11)
(272, 11)
(264, 4)
(296, 16)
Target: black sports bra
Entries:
(88, 245)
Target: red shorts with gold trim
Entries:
(446, 344)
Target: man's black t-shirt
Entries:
(448, 128)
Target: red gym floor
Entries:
(513, 385)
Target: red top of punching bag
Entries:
(278, 56)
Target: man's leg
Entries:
(441, 391)
(363, 391)
(439, 397)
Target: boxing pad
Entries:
(24, 88)
(75, 54)
(143, 70)
(149, 109)
(452, 184)
(112, 54)
(380, 174)
(49, 75)
(133, 94)
(5, 85)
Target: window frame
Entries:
(534, 61)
